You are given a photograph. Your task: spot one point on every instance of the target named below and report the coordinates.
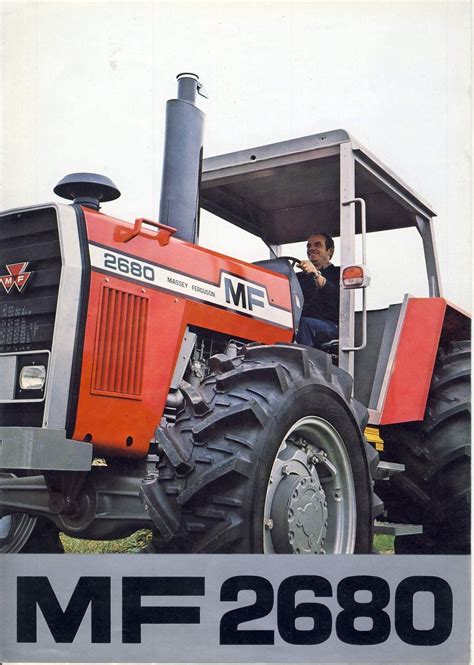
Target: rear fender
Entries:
(426, 324)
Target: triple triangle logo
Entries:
(17, 276)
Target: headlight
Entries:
(32, 377)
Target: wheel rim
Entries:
(310, 503)
(15, 531)
(5, 526)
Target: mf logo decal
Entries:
(242, 294)
(17, 276)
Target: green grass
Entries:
(131, 545)
(384, 544)
(137, 541)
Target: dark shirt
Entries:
(321, 303)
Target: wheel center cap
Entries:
(300, 515)
(309, 519)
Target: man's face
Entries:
(317, 252)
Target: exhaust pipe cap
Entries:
(189, 86)
(187, 74)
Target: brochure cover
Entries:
(235, 272)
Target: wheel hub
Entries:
(299, 515)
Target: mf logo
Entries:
(17, 276)
(243, 295)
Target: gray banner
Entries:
(157, 608)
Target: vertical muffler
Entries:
(179, 200)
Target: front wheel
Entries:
(269, 457)
(15, 531)
(20, 533)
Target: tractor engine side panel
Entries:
(125, 367)
(142, 297)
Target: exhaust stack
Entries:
(179, 200)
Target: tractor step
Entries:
(391, 529)
(388, 469)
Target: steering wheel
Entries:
(292, 260)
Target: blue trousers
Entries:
(314, 332)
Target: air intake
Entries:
(87, 189)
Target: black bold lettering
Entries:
(134, 615)
(237, 295)
(229, 633)
(442, 616)
(253, 295)
(289, 612)
(373, 609)
(37, 591)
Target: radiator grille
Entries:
(120, 343)
(27, 316)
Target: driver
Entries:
(320, 285)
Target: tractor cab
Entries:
(329, 183)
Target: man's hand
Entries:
(309, 268)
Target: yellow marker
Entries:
(372, 435)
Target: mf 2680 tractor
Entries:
(148, 382)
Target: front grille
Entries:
(27, 316)
(120, 343)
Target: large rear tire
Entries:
(269, 457)
(435, 488)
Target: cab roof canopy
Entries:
(285, 191)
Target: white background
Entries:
(84, 88)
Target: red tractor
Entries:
(148, 382)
